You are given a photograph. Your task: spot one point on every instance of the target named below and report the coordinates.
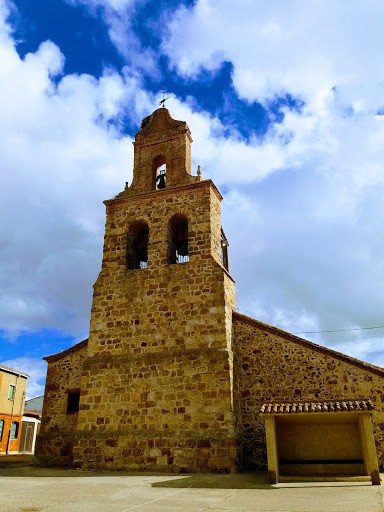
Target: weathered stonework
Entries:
(271, 364)
(156, 384)
(55, 442)
(171, 378)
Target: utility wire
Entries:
(342, 330)
(30, 397)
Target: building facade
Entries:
(171, 378)
(13, 385)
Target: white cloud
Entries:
(62, 155)
(304, 211)
(120, 6)
(118, 16)
(310, 256)
(283, 46)
(36, 370)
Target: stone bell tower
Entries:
(157, 382)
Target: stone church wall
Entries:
(162, 306)
(163, 411)
(55, 442)
(170, 378)
(160, 344)
(271, 364)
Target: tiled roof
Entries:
(323, 406)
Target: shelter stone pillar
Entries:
(368, 448)
(272, 454)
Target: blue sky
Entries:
(285, 104)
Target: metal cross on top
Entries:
(162, 102)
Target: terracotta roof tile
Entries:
(318, 406)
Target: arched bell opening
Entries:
(159, 172)
(137, 245)
(178, 251)
(224, 250)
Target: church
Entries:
(171, 377)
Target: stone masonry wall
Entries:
(157, 379)
(164, 411)
(157, 385)
(164, 136)
(162, 306)
(55, 442)
(273, 365)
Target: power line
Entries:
(30, 397)
(342, 330)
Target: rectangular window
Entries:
(73, 401)
(14, 430)
(11, 392)
(1, 429)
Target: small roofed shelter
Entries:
(323, 440)
(29, 431)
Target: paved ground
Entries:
(28, 489)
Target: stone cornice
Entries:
(125, 197)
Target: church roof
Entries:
(67, 352)
(160, 121)
(299, 406)
(378, 370)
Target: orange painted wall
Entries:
(14, 444)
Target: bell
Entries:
(182, 247)
(161, 179)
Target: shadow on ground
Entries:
(209, 481)
(20, 466)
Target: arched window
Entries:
(137, 245)
(224, 250)
(178, 240)
(159, 169)
(14, 429)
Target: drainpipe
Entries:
(10, 423)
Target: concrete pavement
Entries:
(29, 489)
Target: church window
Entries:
(14, 429)
(137, 245)
(224, 250)
(178, 251)
(159, 172)
(73, 401)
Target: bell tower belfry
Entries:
(162, 142)
(157, 384)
